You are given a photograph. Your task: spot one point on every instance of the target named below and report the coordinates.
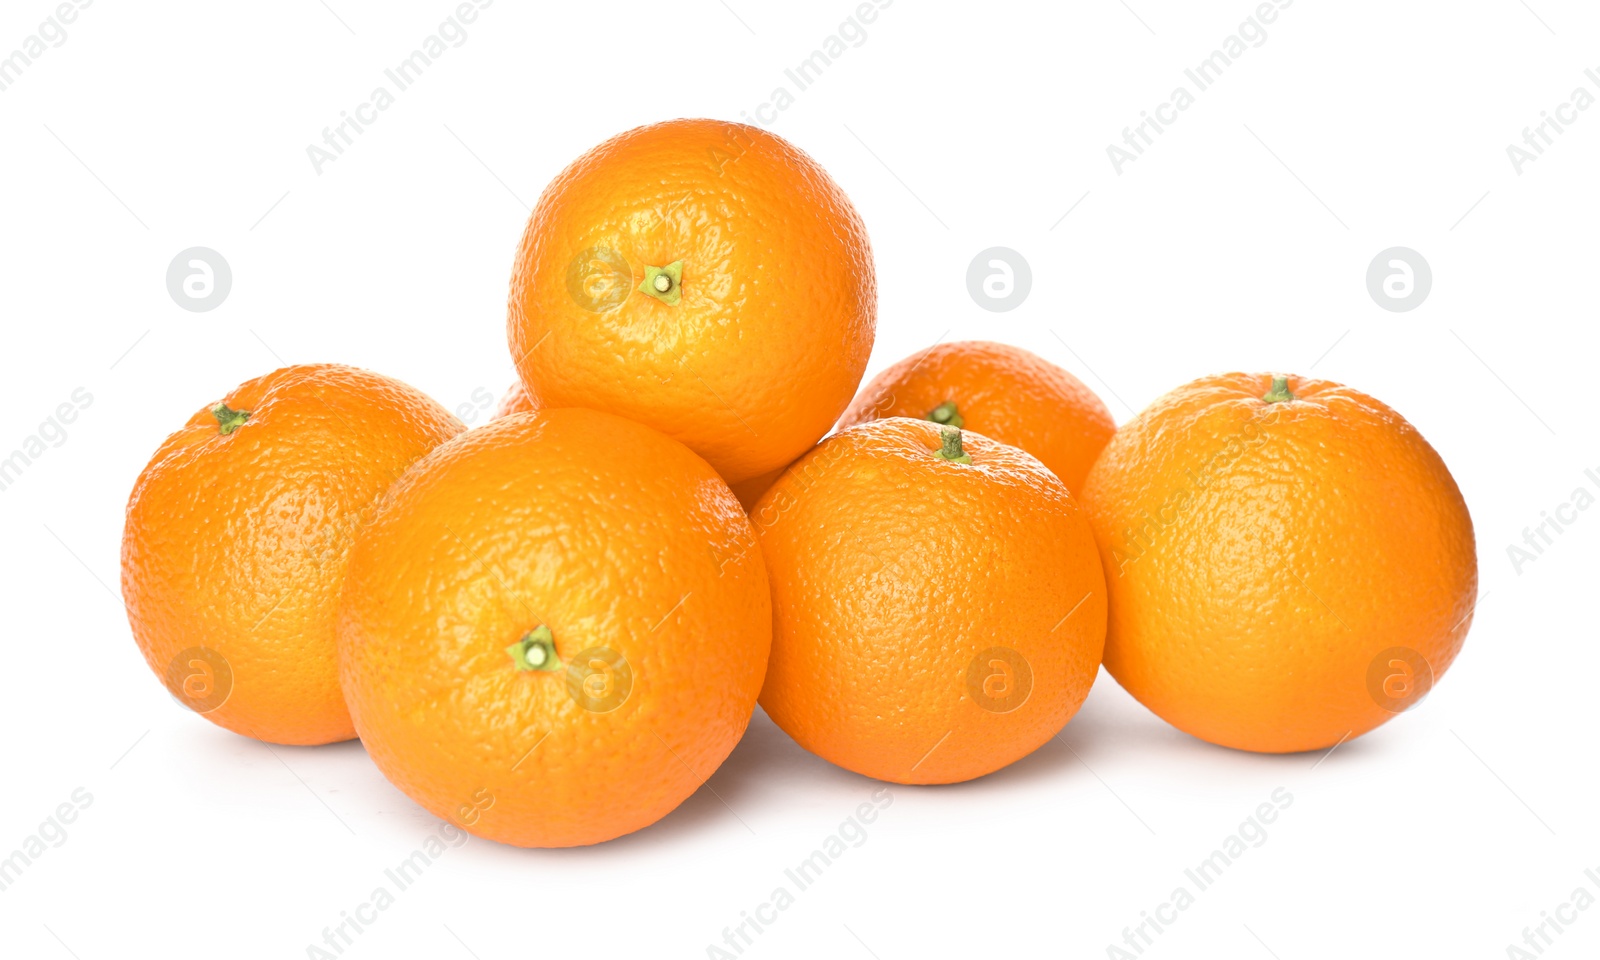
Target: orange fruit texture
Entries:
(749, 491)
(554, 628)
(704, 278)
(1290, 563)
(238, 533)
(515, 400)
(938, 609)
(1003, 392)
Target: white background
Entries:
(1240, 240)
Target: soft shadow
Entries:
(768, 773)
(1112, 725)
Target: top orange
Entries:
(1003, 392)
(515, 400)
(704, 278)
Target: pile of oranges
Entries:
(573, 611)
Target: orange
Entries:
(1290, 563)
(1000, 391)
(515, 400)
(749, 491)
(554, 629)
(938, 608)
(704, 278)
(238, 533)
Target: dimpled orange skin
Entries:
(515, 400)
(1002, 392)
(238, 542)
(893, 570)
(750, 491)
(778, 298)
(1279, 548)
(610, 534)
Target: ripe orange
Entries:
(704, 278)
(1290, 563)
(749, 491)
(1000, 391)
(554, 629)
(238, 533)
(934, 619)
(515, 400)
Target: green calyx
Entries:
(229, 419)
(664, 283)
(536, 651)
(1279, 392)
(946, 413)
(950, 446)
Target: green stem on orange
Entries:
(950, 446)
(536, 651)
(664, 283)
(229, 419)
(946, 413)
(1279, 392)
